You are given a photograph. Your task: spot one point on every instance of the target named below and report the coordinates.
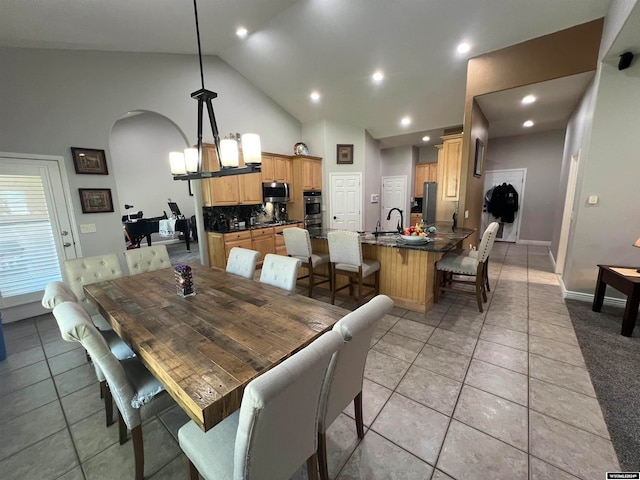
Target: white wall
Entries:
(400, 161)
(427, 154)
(372, 183)
(55, 99)
(604, 232)
(541, 155)
(140, 146)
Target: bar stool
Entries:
(298, 244)
(345, 255)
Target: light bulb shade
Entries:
(191, 159)
(229, 152)
(251, 149)
(637, 243)
(176, 160)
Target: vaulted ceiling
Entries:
(294, 47)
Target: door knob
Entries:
(66, 244)
(64, 233)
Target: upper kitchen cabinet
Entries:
(276, 168)
(307, 172)
(425, 172)
(231, 190)
(449, 167)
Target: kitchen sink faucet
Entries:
(401, 222)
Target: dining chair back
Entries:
(467, 266)
(275, 430)
(56, 293)
(280, 271)
(298, 244)
(344, 377)
(242, 261)
(345, 255)
(88, 270)
(131, 384)
(147, 259)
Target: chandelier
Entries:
(187, 165)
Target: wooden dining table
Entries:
(206, 348)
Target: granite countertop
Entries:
(442, 241)
(257, 226)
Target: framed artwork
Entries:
(479, 160)
(88, 161)
(96, 200)
(344, 154)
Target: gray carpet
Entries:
(613, 362)
(180, 256)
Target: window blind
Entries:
(28, 257)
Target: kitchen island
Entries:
(407, 271)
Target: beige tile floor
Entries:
(451, 394)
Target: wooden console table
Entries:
(629, 285)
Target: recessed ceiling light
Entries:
(315, 96)
(529, 99)
(405, 121)
(426, 138)
(378, 76)
(464, 47)
(528, 123)
(241, 32)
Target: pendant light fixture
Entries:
(188, 165)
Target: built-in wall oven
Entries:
(313, 212)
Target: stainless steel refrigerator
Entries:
(429, 203)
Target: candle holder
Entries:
(184, 280)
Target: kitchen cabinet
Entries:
(220, 244)
(250, 189)
(307, 175)
(425, 172)
(415, 218)
(276, 168)
(262, 241)
(449, 167)
(231, 190)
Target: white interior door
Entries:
(567, 214)
(394, 195)
(36, 233)
(508, 232)
(345, 206)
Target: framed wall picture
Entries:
(479, 160)
(344, 154)
(96, 200)
(89, 161)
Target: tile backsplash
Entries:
(221, 218)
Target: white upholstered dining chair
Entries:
(242, 261)
(138, 395)
(345, 255)
(343, 381)
(280, 271)
(450, 267)
(56, 293)
(88, 270)
(275, 430)
(298, 244)
(147, 259)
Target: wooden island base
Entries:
(406, 275)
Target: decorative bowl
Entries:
(414, 238)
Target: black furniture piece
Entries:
(629, 285)
(144, 227)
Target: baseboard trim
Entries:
(535, 243)
(588, 297)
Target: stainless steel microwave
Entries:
(275, 192)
